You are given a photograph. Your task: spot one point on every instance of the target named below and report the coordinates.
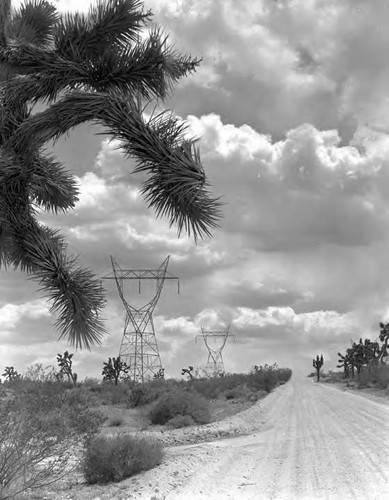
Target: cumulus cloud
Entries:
(317, 321)
(295, 61)
(11, 314)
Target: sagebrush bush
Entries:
(263, 378)
(180, 402)
(179, 421)
(231, 394)
(119, 393)
(332, 376)
(267, 377)
(116, 421)
(376, 375)
(363, 379)
(92, 384)
(145, 394)
(110, 459)
(39, 424)
(381, 375)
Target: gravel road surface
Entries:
(316, 442)
(304, 441)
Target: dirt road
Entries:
(307, 441)
(316, 443)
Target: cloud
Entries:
(11, 314)
(317, 321)
(299, 192)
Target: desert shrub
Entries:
(119, 393)
(283, 374)
(115, 458)
(179, 421)
(231, 394)
(212, 388)
(267, 377)
(363, 379)
(92, 385)
(39, 425)
(38, 373)
(376, 375)
(180, 402)
(242, 392)
(261, 378)
(381, 375)
(111, 394)
(81, 417)
(136, 397)
(332, 376)
(145, 394)
(115, 421)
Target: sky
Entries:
(291, 106)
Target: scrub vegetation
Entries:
(46, 421)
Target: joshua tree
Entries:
(318, 363)
(87, 67)
(372, 353)
(160, 375)
(358, 354)
(188, 371)
(114, 368)
(384, 337)
(10, 374)
(65, 364)
(346, 363)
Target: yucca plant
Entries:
(87, 67)
(317, 364)
(384, 338)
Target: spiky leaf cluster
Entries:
(92, 67)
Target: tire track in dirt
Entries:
(316, 442)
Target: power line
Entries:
(139, 348)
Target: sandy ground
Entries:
(305, 441)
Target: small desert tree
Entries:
(160, 375)
(384, 337)
(114, 368)
(65, 364)
(188, 371)
(10, 374)
(345, 363)
(318, 363)
(39, 427)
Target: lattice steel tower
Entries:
(215, 364)
(139, 347)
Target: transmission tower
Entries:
(215, 364)
(139, 347)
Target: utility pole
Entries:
(215, 364)
(139, 348)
